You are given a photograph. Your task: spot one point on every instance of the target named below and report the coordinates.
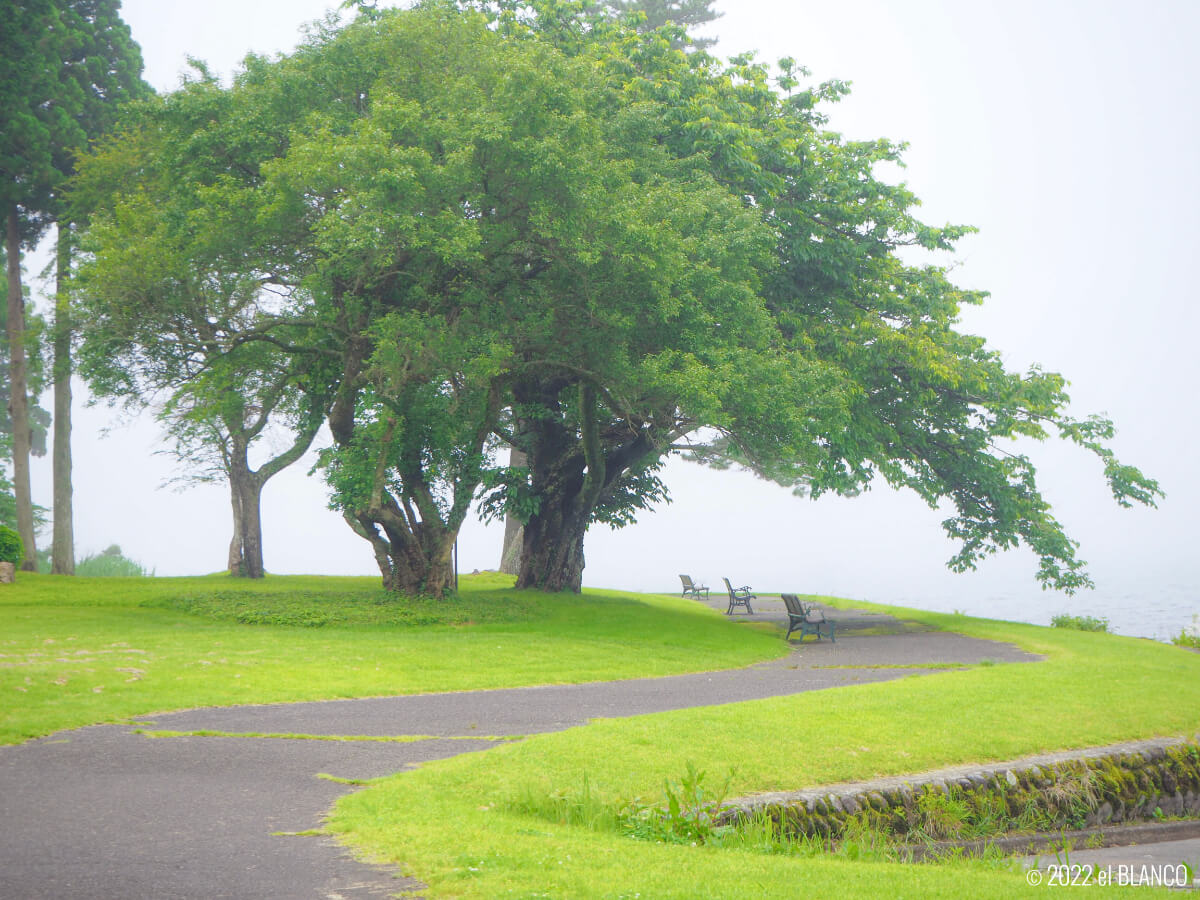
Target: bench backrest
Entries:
(687, 582)
(793, 604)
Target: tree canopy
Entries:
(164, 315)
(563, 233)
(65, 67)
(881, 382)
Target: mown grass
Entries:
(78, 651)
(458, 824)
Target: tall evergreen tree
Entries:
(39, 419)
(65, 65)
(28, 61)
(101, 67)
(687, 13)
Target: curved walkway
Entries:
(105, 812)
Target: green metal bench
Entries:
(739, 597)
(691, 589)
(804, 618)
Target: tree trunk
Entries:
(514, 531)
(420, 564)
(236, 560)
(406, 564)
(252, 557)
(246, 496)
(571, 471)
(552, 554)
(568, 474)
(19, 395)
(63, 552)
(414, 550)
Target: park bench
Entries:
(691, 589)
(803, 617)
(739, 597)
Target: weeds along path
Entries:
(113, 811)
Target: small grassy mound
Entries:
(368, 606)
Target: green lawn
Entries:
(455, 824)
(78, 651)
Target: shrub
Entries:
(1189, 635)
(110, 563)
(11, 548)
(692, 814)
(1080, 623)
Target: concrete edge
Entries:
(755, 802)
(1053, 842)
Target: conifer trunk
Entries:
(18, 394)
(63, 547)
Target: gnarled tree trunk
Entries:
(552, 553)
(413, 559)
(413, 547)
(568, 475)
(574, 469)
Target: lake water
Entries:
(1160, 612)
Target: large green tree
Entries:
(65, 65)
(560, 233)
(505, 220)
(878, 380)
(646, 15)
(181, 265)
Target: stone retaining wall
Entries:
(1134, 782)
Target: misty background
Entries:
(1066, 131)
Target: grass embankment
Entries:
(79, 651)
(458, 824)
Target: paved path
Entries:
(1174, 864)
(106, 813)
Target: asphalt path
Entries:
(105, 812)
